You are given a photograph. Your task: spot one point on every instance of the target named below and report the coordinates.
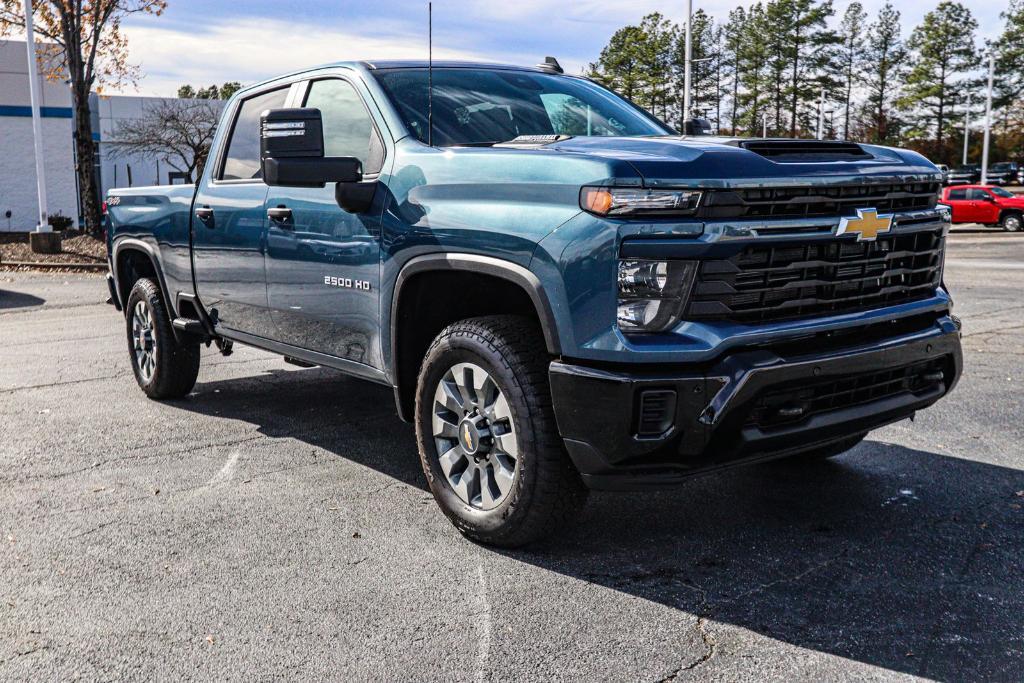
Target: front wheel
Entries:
(163, 367)
(486, 432)
(1012, 222)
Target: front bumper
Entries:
(706, 418)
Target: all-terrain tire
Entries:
(546, 492)
(172, 368)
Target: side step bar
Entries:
(190, 326)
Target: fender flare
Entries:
(485, 265)
(134, 244)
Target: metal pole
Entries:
(764, 123)
(37, 129)
(687, 80)
(967, 126)
(821, 116)
(988, 119)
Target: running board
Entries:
(190, 326)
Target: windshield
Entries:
(1003, 166)
(1000, 192)
(487, 106)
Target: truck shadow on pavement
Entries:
(9, 300)
(897, 558)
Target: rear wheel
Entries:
(1012, 222)
(486, 432)
(163, 368)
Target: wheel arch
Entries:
(1010, 211)
(518, 290)
(134, 257)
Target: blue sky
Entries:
(212, 41)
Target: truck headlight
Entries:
(945, 212)
(631, 201)
(653, 294)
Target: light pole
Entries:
(967, 126)
(688, 59)
(821, 116)
(37, 130)
(988, 118)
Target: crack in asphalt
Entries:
(707, 610)
(63, 383)
(131, 454)
(936, 630)
(93, 530)
(66, 340)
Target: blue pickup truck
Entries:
(564, 293)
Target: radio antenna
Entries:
(430, 74)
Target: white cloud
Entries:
(251, 50)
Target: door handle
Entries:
(280, 214)
(205, 214)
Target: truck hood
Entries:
(725, 162)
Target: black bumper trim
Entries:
(595, 408)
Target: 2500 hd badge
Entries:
(347, 283)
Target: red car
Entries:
(985, 204)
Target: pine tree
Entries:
(779, 16)
(1009, 82)
(753, 73)
(733, 44)
(884, 58)
(850, 57)
(942, 53)
(619, 67)
(637, 62)
(809, 46)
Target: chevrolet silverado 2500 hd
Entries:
(564, 293)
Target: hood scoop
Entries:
(804, 151)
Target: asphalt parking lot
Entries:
(276, 524)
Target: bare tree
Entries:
(87, 47)
(176, 132)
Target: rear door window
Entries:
(974, 194)
(957, 195)
(242, 161)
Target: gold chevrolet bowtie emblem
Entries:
(467, 437)
(866, 226)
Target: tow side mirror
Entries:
(292, 151)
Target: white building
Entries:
(19, 205)
(118, 170)
(18, 197)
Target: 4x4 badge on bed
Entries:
(866, 226)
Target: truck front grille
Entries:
(778, 408)
(786, 281)
(818, 202)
